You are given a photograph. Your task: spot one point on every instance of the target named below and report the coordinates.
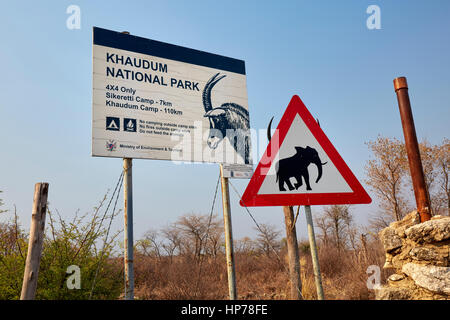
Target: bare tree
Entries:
(338, 220)
(150, 244)
(442, 157)
(352, 231)
(1, 204)
(322, 224)
(198, 231)
(268, 238)
(385, 176)
(244, 245)
(428, 159)
(173, 241)
(214, 239)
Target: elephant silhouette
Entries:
(297, 167)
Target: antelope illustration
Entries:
(229, 120)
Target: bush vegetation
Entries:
(81, 241)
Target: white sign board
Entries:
(237, 171)
(153, 100)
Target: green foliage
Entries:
(1, 204)
(84, 241)
(13, 248)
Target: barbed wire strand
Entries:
(295, 219)
(259, 228)
(118, 185)
(207, 235)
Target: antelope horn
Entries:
(268, 130)
(207, 91)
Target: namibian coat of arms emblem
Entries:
(111, 145)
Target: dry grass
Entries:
(258, 276)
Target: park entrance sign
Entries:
(153, 100)
(302, 167)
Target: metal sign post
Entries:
(128, 225)
(314, 255)
(228, 236)
(128, 228)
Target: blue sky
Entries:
(319, 50)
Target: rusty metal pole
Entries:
(412, 149)
(228, 236)
(30, 275)
(293, 256)
(128, 228)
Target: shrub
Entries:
(84, 241)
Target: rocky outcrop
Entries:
(420, 255)
(391, 240)
(435, 230)
(432, 278)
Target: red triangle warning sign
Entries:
(301, 167)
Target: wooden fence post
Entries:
(294, 260)
(37, 227)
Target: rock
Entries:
(429, 231)
(405, 289)
(390, 239)
(388, 264)
(392, 293)
(433, 278)
(409, 220)
(437, 255)
(401, 257)
(421, 253)
(396, 277)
